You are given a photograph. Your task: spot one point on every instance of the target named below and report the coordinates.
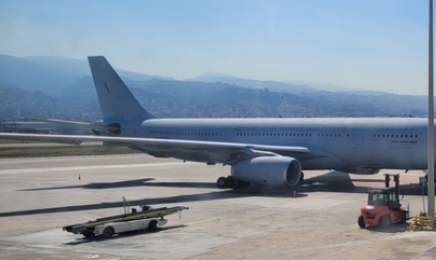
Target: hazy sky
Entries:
(366, 44)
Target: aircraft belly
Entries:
(368, 153)
(190, 156)
(377, 157)
(407, 157)
(330, 162)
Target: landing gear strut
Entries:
(230, 182)
(302, 177)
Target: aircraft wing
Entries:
(225, 149)
(76, 124)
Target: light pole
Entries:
(430, 144)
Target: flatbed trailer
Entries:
(148, 218)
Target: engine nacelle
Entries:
(268, 171)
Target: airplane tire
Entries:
(302, 177)
(234, 183)
(108, 232)
(361, 222)
(152, 226)
(222, 183)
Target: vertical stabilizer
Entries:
(116, 100)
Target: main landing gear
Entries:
(230, 182)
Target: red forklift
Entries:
(384, 207)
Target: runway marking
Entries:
(200, 221)
(93, 167)
(363, 242)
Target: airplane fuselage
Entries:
(339, 143)
(263, 151)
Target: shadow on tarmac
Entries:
(331, 182)
(146, 182)
(215, 195)
(84, 240)
(394, 228)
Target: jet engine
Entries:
(268, 171)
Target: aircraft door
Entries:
(222, 134)
(358, 134)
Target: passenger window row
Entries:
(278, 134)
(289, 134)
(184, 133)
(272, 134)
(395, 135)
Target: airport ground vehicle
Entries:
(110, 228)
(384, 207)
(148, 218)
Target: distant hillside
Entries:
(174, 99)
(51, 74)
(322, 86)
(81, 67)
(30, 76)
(256, 84)
(19, 104)
(63, 88)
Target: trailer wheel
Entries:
(108, 232)
(361, 222)
(152, 226)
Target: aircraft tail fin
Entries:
(116, 100)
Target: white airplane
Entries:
(264, 151)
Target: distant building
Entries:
(38, 127)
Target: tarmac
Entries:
(316, 220)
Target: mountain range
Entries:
(63, 88)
